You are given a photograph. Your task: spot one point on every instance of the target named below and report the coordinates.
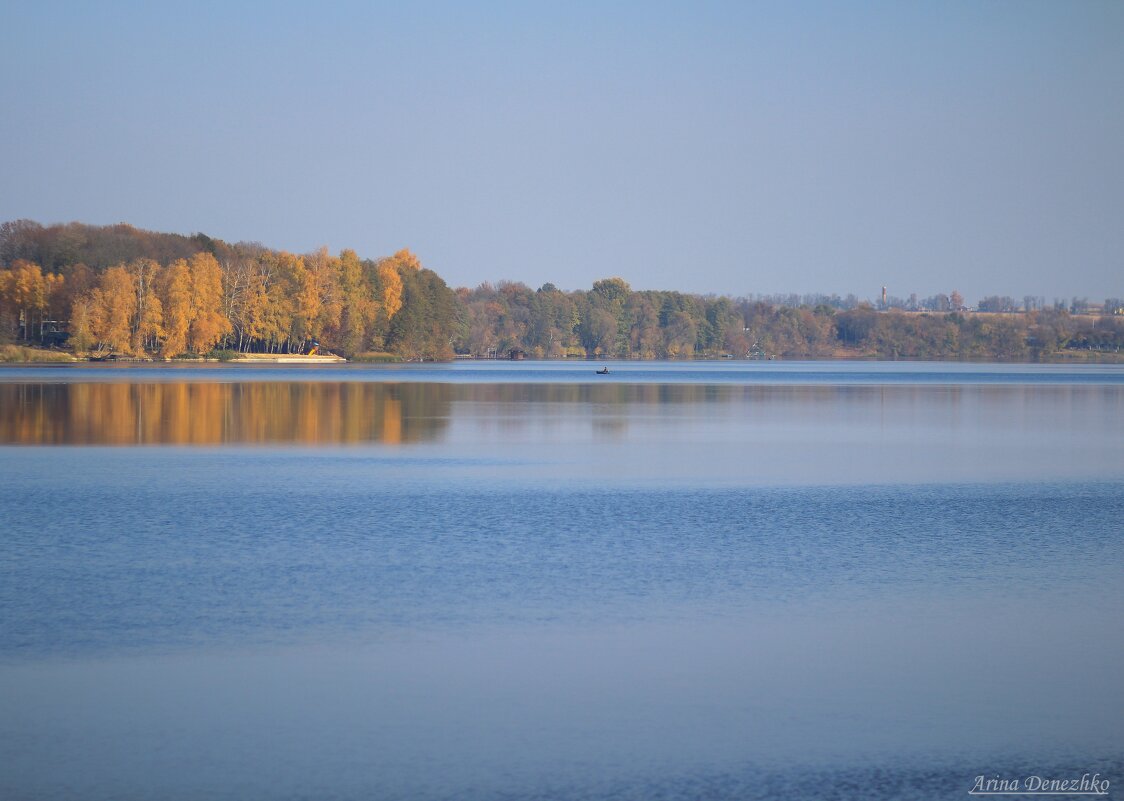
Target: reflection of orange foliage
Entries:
(392, 421)
(214, 414)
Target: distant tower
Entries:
(883, 297)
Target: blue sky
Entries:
(708, 147)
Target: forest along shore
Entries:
(117, 291)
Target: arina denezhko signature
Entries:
(1088, 784)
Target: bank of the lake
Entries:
(22, 354)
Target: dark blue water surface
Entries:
(872, 581)
(143, 554)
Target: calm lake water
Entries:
(489, 580)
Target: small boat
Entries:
(603, 371)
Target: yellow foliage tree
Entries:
(82, 324)
(56, 292)
(390, 283)
(321, 290)
(6, 308)
(207, 324)
(263, 317)
(359, 309)
(117, 298)
(175, 298)
(406, 260)
(150, 323)
(149, 327)
(25, 292)
(308, 300)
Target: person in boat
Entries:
(603, 371)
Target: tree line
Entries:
(112, 293)
(119, 289)
(611, 320)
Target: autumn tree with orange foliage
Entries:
(390, 282)
(26, 293)
(148, 328)
(207, 323)
(147, 293)
(406, 260)
(114, 304)
(175, 298)
(358, 306)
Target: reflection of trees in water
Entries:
(334, 413)
(612, 407)
(213, 413)
(654, 394)
(609, 395)
(589, 393)
(310, 413)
